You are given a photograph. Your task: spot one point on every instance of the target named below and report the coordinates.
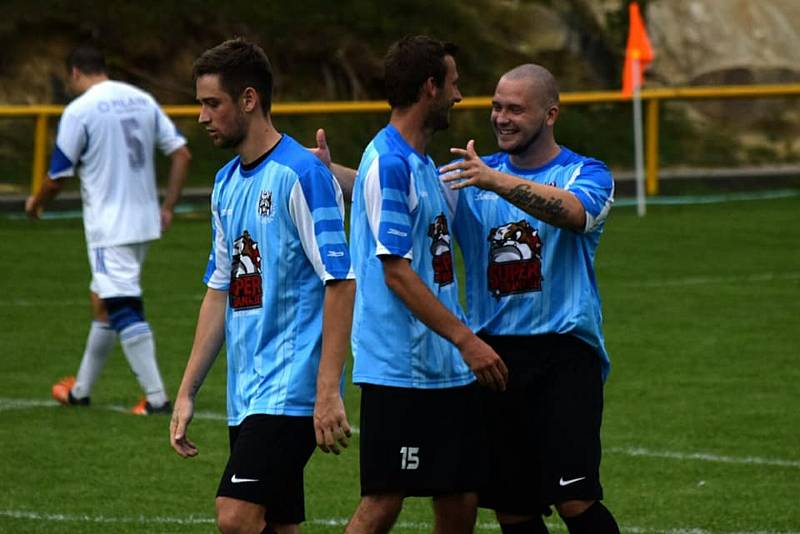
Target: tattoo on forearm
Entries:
(536, 205)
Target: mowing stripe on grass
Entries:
(625, 202)
(21, 404)
(714, 280)
(672, 282)
(710, 199)
(18, 404)
(332, 522)
(45, 302)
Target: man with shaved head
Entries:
(529, 219)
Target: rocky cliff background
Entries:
(325, 50)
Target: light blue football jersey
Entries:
(277, 237)
(398, 209)
(526, 277)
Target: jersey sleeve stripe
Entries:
(391, 205)
(60, 164)
(327, 251)
(327, 213)
(218, 272)
(329, 225)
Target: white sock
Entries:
(140, 350)
(99, 343)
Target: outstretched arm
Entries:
(330, 420)
(208, 338)
(406, 284)
(179, 167)
(547, 203)
(344, 175)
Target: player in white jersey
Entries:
(280, 292)
(412, 352)
(108, 136)
(528, 220)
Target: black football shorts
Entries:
(420, 442)
(268, 454)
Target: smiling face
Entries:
(220, 113)
(520, 115)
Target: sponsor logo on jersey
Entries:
(440, 249)
(265, 204)
(245, 289)
(485, 195)
(515, 259)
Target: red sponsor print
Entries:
(443, 269)
(514, 277)
(246, 292)
(246, 285)
(442, 261)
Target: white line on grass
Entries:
(714, 280)
(45, 302)
(19, 404)
(752, 460)
(331, 522)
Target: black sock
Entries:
(594, 520)
(534, 525)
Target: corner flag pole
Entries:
(638, 55)
(638, 138)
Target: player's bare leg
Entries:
(521, 524)
(375, 514)
(235, 516)
(455, 514)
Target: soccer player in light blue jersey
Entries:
(414, 357)
(280, 293)
(529, 219)
(108, 136)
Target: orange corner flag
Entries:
(638, 48)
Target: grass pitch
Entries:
(702, 417)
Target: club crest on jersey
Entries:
(265, 204)
(245, 289)
(440, 248)
(515, 259)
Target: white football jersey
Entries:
(108, 136)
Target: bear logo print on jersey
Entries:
(515, 259)
(440, 249)
(245, 288)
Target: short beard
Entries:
(438, 119)
(526, 144)
(236, 138)
(231, 141)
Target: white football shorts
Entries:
(116, 270)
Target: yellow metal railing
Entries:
(652, 98)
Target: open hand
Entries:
(470, 171)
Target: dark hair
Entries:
(409, 63)
(88, 60)
(239, 64)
